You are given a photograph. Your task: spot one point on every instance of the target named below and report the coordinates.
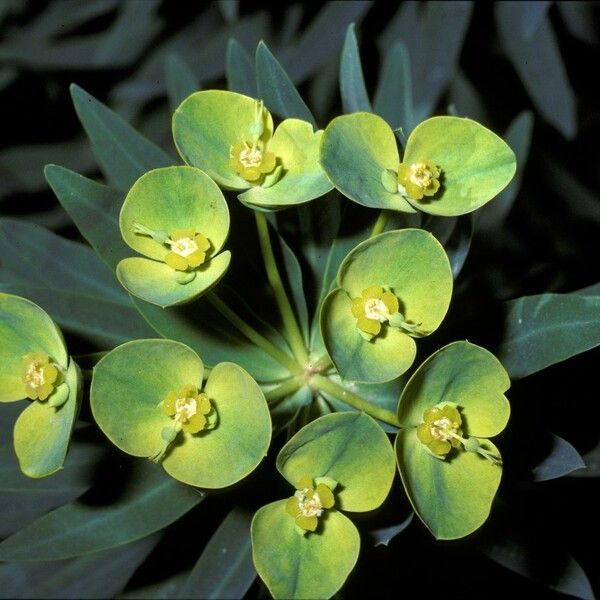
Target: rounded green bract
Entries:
(129, 389)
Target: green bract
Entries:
(468, 164)
(230, 136)
(409, 265)
(131, 393)
(344, 453)
(452, 494)
(172, 215)
(34, 364)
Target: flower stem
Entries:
(293, 334)
(337, 391)
(262, 342)
(379, 224)
(289, 386)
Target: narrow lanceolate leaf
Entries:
(561, 459)
(94, 208)
(241, 76)
(148, 500)
(537, 59)
(224, 569)
(123, 153)
(352, 81)
(535, 323)
(181, 81)
(68, 281)
(276, 88)
(394, 96)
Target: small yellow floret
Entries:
(418, 179)
(188, 407)
(39, 375)
(308, 503)
(440, 430)
(188, 249)
(250, 160)
(374, 307)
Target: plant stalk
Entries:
(284, 389)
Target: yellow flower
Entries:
(39, 375)
(374, 307)
(440, 430)
(251, 160)
(188, 249)
(307, 504)
(418, 179)
(188, 407)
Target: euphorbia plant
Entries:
(272, 373)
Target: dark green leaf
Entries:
(383, 536)
(144, 500)
(123, 153)
(224, 569)
(229, 9)
(535, 323)
(560, 460)
(241, 76)
(352, 81)
(538, 61)
(181, 80)
(458, 245)
(276, 88)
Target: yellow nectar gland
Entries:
(307, 504)
(251, 161)
(418, 179)
(188, 249)
(39, 375)
(374, 307)
(188, 407)
(440, 430)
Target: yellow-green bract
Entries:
(360, 149)
(129, 387)
(43, 430)
(453, 496)
(354, 456)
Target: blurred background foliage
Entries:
(524, 69)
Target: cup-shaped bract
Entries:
(348, 463)
(230, 137)
(452, 493)
(407, 269)
(34, 364)
(178, 219)
(147, 396)
(451, 166)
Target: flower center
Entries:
(185, 408)
(421, 175)
(444, 429)
(34, 375)
(376, 310)
(184, 246)
(250, 156)
(309, 505)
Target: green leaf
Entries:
(384, 535)
(452, 496)
(459, 243)
(537, 59)
(229, 9)
(286, 410)
(393, 97)
(352, 82)
(534, 323)
(276, 88)
(492, 216)
(25, 328)
(181, 80)
(122, 152)
(130, 384)
(296, 145)
(349, 448)
(297, 566)
(464, 374)
(69, 281)
(43, 432)
(167, 200)
(147, 501)
(560, 460)
(355, 151)
(241, 76)
(225, 568)
(421, 279)
(94, 208)
(475, 163)
(206, 126)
